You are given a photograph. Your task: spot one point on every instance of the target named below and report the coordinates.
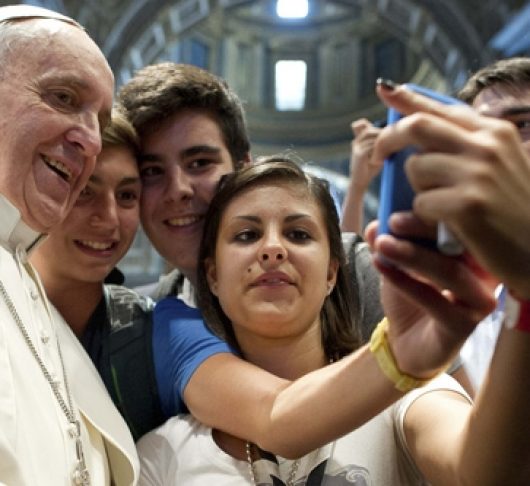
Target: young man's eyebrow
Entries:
(147, 157)
(130, 180)
(95, 179)
(188, 152)
(200, 149)
(515, 110)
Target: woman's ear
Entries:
(211, 274)
(247, 159)
(333, 270)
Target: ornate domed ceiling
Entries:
(345, 45)
(339, 49)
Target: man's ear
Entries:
(211, 274)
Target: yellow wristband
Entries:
(387, 363)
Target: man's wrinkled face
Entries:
(56, 94)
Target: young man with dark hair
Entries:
(193, 131)
(507, 74)
(500, 90)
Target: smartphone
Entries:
(397, 194)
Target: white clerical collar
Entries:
(14, 232)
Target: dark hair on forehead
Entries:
(160, 91)
(340, 312)
(513, 74)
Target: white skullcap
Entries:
(19, 12)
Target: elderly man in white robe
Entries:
(58, 426)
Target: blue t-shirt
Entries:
(181, 342)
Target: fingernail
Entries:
(387, 84)
(400, 219)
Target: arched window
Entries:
(290, 80)
(292, 9)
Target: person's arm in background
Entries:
(362, 171)
(473, 174)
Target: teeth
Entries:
(58, 166)
(96, 245)
(183, 221)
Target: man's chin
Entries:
(186, 265)
(46, 219)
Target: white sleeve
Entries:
(443, 382)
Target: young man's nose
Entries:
(179, 185)
(106, 213)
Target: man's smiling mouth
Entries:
(96, 245)
(184, 221)
(58, 167)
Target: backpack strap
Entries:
(131, 374)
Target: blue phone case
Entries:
(396, 193)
